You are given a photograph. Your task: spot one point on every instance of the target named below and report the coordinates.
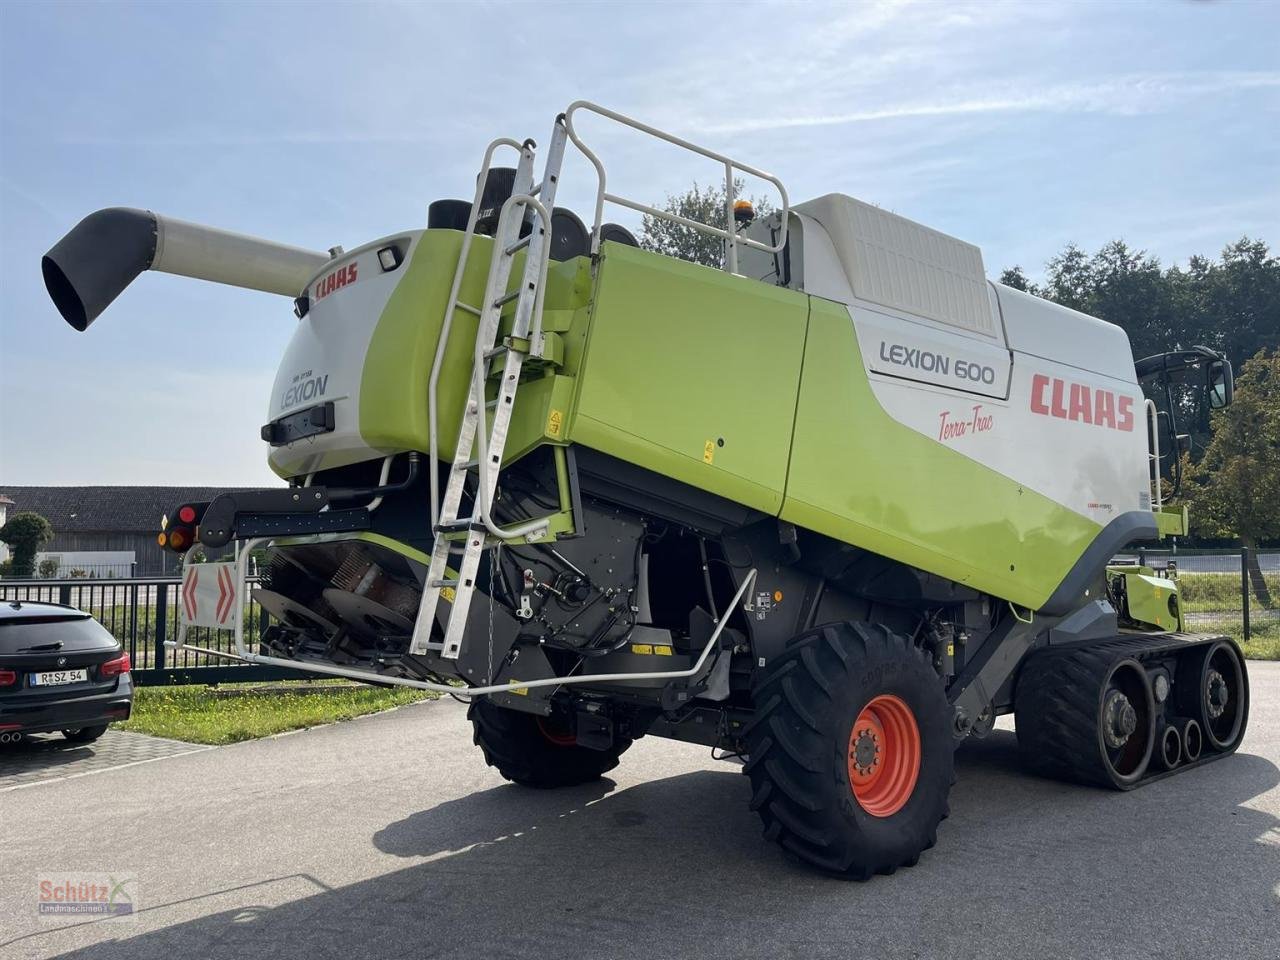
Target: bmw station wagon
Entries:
(60, 670)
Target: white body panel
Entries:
(325, 359)
(1055, 406)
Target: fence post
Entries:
(1244, 589)
(162, 622)
(133, 624)
(64, 594)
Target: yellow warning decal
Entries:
(522, 691)
(708, 451)
(652, 649)
(555, 421)
(448, 593)
(951, 649)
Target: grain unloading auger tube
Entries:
(832, 509)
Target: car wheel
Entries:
(85, 734)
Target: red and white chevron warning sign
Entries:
(209, 595)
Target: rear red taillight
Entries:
(8, 678)
(113, 668)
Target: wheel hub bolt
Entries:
(866, 751)
(1121, 719)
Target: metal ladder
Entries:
(487, 443)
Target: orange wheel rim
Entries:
(884, 756)
(558, 737)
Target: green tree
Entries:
(26, 533)
(48, 567)
(704, 205)
(1235, 488)
(1014, 277)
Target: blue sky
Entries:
(1019, 127)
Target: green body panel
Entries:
(749, 391)
(1149, 597)
(692, 373)
(1172, 521)
(860, 476)
(393, 388)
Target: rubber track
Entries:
(1056, 706)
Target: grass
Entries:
(198, 714)
(1264, 641)
(1212, 604)
(1220, 592)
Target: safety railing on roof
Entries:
(730, 234)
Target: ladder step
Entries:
(453, 526)
(518, 245)
(497, 351)
(504, 300)
(444, 583)
(468, 308)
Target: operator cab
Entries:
(1182, 388)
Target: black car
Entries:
(59, 670)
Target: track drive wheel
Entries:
(537, 751)
(1086, 715)
(851, 756)
(1213, 688)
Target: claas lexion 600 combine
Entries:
(831, 510)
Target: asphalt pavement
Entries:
(388, 837)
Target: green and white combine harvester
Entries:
(831, 510)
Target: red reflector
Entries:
(187, 514)
(113, 668)
(8, 678)
(10, 726)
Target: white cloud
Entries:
(1125, 95)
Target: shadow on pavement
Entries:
(677, 867)
(42, 750)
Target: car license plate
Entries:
(57, 678)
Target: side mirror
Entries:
(1220, 384)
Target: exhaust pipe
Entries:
(104, 253)
(7, 738)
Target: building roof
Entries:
(107, 509)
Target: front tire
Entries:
(533, 751)
(851, 752)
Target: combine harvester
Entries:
(831, 510)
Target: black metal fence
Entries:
(142, 614)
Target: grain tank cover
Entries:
(903, 265)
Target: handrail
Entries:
(730, 165)
(484, 494)
(450, 309)
(244, 654)
(1153, 419)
